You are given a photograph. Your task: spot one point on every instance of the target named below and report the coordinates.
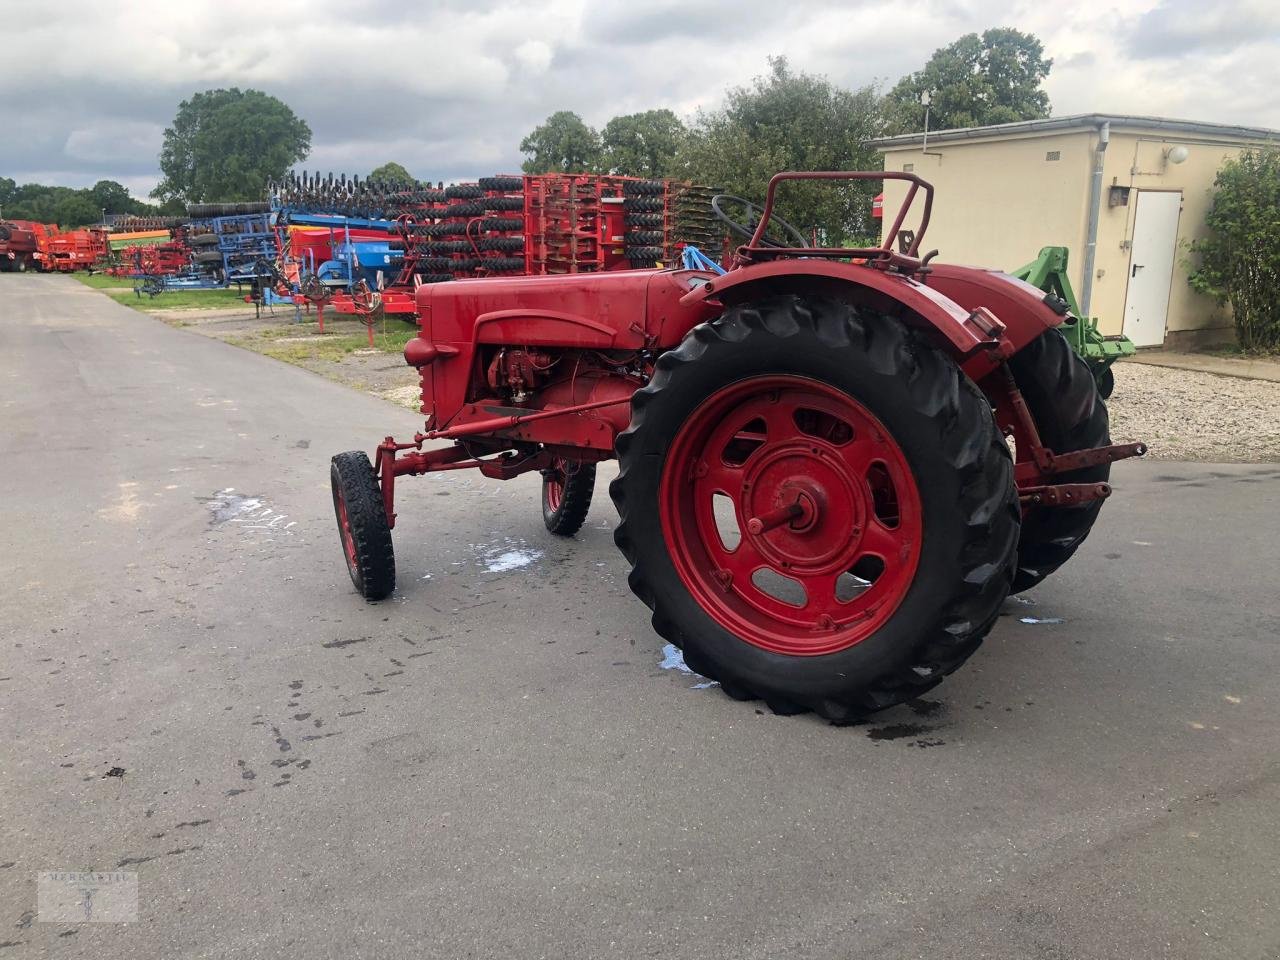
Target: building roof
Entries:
(1080, 121)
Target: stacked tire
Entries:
(644, 203)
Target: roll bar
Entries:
(885, 253)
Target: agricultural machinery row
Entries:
(834, 463)
(28, 245)
(358, 246)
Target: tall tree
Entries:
(978, 80)
(227, 144)
(113, 197)
(563, 143)
(642, 144)
(391, 173)
(791, 121)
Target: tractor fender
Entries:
(962, 332)
(1025, 310)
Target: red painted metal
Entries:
(1063, 494)
(24, 244)
(966, 331)
(812, 502)
(76, 250)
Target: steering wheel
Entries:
(747, 228)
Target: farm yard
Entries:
(253, 707)
(759, 510)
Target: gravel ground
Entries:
(1185, 415)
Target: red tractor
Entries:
(834, 464)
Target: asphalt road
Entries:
(495, 763)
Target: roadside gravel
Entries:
(1186, 415)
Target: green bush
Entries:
(1240, 259)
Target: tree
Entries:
(227, 144)
(75, 208)
(978, 80)
(642, 144)
(562, 144)
(113, 197)
(391, 173)
(1240, 258)
(791, 121)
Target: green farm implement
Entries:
(1048, 271)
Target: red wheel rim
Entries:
(791, 514)
(553, 482)
(348, 540)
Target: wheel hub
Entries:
(803, 507)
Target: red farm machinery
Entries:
(834, 464)
(361, 243)
(75, 250)
(23, 244)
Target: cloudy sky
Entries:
(449, 87)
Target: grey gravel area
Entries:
(1186, 415)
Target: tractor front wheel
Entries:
(362, 525)
(817, 507)
(566, 495)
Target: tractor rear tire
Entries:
(1070, 415)
(567, 488)
(893, 458)
(362, 525)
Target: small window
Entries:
(1053, 155)
(908, 167)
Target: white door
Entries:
(1155, 243)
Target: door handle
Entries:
(1136, 268)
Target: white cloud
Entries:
(450, 88)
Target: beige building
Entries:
(1126, 195)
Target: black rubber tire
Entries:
(640, 238)
(435, 263)
(464, 191)
(207, 256)
(945, 428)
(465, 210)
(505, 244)
(644, 254)
(354, 484)
(1070, 415)
(434, 196)
(501, 224)
(579, 484)
(448, 247)
(503, 203)
(437, 277)
(501, 264)
(502, 184)
(643, 220)
(643, 188)
(202, 240)
(643, 204)
(1106, 381)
